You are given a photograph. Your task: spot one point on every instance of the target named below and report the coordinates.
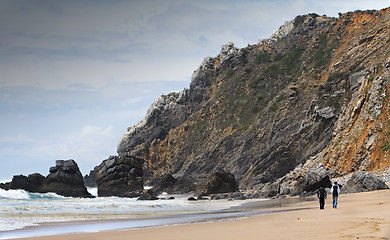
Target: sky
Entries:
(75, 74)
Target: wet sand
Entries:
(359, 216)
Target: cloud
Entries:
(57, 43)
(82, 122)
(88, 146)
(17, 139)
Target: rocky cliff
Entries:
(316, 90)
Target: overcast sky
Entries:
(74, 74)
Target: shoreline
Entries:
(247, 208)
(359, 216)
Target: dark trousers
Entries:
(322, 203)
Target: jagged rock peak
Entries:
(163, 103)
(282, 32)
(227, 52)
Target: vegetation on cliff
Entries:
(316, 90)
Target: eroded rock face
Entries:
(218, 182)
(64, 179)
(120, 176)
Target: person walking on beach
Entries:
(321, 194)
(335, 191)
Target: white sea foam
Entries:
(93, 191)
(19, 209)
(13, 194)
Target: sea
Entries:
(25, 214)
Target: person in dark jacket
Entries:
(321, 194)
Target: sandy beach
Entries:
(358, 216)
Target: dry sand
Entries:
(359, 216)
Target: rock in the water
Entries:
(120, 176)
(166, 184)
(363, 182)
(148, 195)
(30, 183)
(65, 179)
(218, 182)
(170, 185)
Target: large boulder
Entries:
(306, 179)
(312, 180)
(148, 195)
(120, 176)
(218, 182)
(65, 179)
(170, 185)
(363, 182)
(165, 184)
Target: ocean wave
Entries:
(19, 194)
(14, 194)
(20, 209)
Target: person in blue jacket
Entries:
(335, 191)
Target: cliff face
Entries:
(317, 89)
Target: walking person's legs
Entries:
(322, 203)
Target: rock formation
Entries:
(148, 195)
(172, 185)
(30, 183)
(218, 182)
(120, 176)
(363, 182)
(64, 179)
(165, 184)
(90, 179)
(316, 91)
